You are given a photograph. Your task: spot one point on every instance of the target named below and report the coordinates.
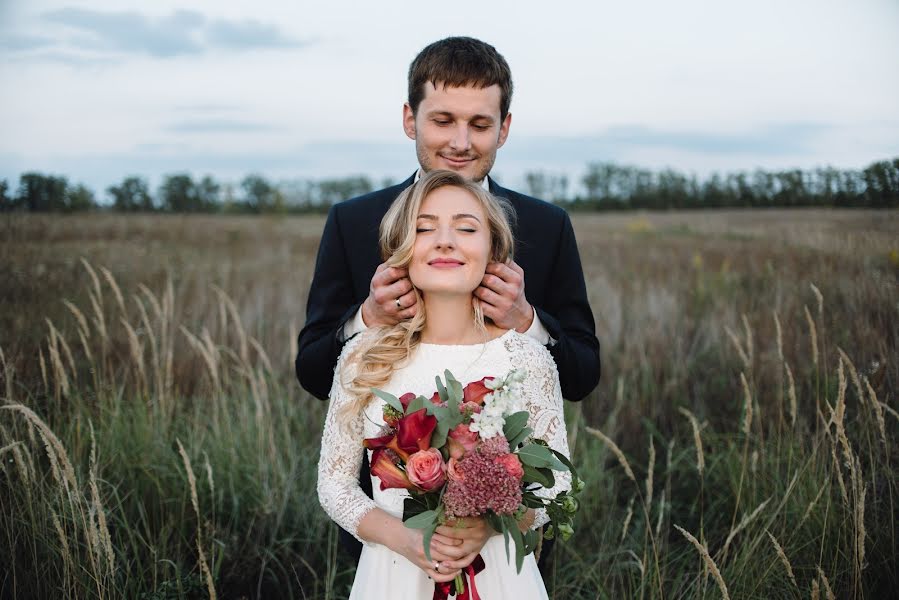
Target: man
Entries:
(460, 90)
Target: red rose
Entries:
(476, 390)
(461, 440)
(391, 476)
(426, 469)
(511, 464)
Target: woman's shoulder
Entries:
(528, 352)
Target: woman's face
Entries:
(452, 243)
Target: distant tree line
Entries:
(604, 186)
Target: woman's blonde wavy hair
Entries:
(391, 346)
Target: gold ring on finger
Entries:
(399, 305)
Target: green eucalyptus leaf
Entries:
(440, 388)
(565, 461)
(389, 399)
(538, 475)
(438, 438)
(514, 424)
(417, 403)
(521, 437)
(422, 520)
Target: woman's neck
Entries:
(451, 321)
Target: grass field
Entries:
(742, 442)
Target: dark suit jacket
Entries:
(349, 254)
(544, 247)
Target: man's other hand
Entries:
(501, 294)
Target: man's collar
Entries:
(485, 183)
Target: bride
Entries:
(444, 230)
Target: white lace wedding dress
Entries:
(381, 573)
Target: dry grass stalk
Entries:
(627, 518)
(137, 354)
(739, 346)
(68, 563)
(816, 590)
(79, 316)
(238, 323)
(838, 418)
(878, 412)
(93, 275)
(8, 375)
(791, 394)
(838, 469)
(103, 533)
(86, 348)
(783, 558)
(697, 439)
(192, 482)
(707, 559)
(853, 374)
(9, 447)
(151, 298)
(813, 336)
(827, 590)
(747, 405)
(43, 369)
(115, 289)
(208, 359)
(99, 319)
(650, 472)
(889, 409)
(263, 356)
(154, 350)
(779, 337)
(819, 298)
(60, 467)
(750, 350)
(616, 451)
(59, 371)
(812, 504)
(661, 514)
(744, 522)
(860, 528)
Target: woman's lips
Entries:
(445, 263)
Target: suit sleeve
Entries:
(330, 304)
(569, 320)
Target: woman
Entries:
(444, 230)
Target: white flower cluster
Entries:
(500, 404)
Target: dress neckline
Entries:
(508, 333)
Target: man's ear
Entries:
(504, 130)
(408, 121)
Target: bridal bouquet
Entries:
(467, 452)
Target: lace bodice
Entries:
(341, 450)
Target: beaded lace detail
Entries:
(341, 450)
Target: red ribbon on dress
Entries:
(442, 590)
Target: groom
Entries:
(457, 112)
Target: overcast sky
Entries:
(100, 89)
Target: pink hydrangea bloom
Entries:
(486, 485)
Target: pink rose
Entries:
(453, 472)
(426, 469)
(461, 440)
(511, 464)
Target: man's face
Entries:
(458, 129)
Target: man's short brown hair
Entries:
(460, 62)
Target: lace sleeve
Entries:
(341, 457)
(542, 395)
